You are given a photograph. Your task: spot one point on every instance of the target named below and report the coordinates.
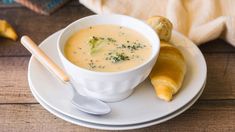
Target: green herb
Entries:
(97, 42)
(132, 47)
(91, 64)
(111, 39)
(117, 57)
(135, 46)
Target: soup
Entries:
(107, 48)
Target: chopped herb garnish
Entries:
(123, 46)
(91, 64)
(118, 57)
(111, 39)
(132, 47)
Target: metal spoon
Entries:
(86, 104)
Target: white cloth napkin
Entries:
(200, 20)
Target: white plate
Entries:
(119, 127)
(141, 107)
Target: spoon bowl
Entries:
(88, 104)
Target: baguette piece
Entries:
(169, 71)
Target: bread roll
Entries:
(162, 26)
(169, 71)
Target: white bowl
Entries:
(109, 86)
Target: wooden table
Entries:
(19, 111)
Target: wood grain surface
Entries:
(19, 111)
(32, 117)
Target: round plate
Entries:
(120, 127)
(142, 106)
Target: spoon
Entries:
(83, 103)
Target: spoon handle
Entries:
(43, 58)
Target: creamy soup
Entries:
(107, 48)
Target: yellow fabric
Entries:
(200, 20)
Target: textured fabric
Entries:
(200, 20)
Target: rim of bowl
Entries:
(153, 55)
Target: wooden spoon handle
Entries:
(43, 58)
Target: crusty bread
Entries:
(162, 26)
